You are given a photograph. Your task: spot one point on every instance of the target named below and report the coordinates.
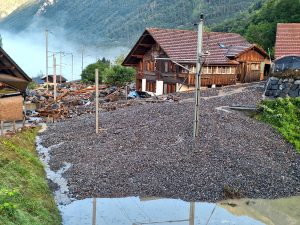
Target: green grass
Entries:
(284, 115)
(25, 197)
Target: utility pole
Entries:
(54, 76)
(72, 67)
(46, 33)
(198, 78)
(60, 63)
(82, 59)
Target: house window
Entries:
(223, 69)
(184, 70)
(228, 70)
(232, 70)
(209, 70)
(193, 69)
(255, 66)
(166, 67)
(215, 70)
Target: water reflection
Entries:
(140, 211)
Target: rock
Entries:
(274, 87)
(274, 78)
(274, 82)
(294, 87)
(297, 82)
(294, 93)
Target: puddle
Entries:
(139, 211)
(61, 194)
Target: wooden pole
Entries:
(192, 214)
(46, 33)
(54, 76)
(14, 126)
(94, 211)
(97, 99)
(198, 79)
(2, 128)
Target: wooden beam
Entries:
(138, 56)
(146, 45)
(7, 67)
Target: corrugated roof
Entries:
(181, 45)
(287, 39)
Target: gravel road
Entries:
(148, 150)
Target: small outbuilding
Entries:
(59, 79)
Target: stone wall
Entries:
(281, 87)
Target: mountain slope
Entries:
(259, 25)
(119, 21)
(8, 6)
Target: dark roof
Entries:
(287, 39)
(11, 74)
(63, 79)
(181, 45)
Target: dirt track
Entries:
(148, 150)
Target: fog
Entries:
(28, 50)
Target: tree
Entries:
(118, 75)
(88, 74)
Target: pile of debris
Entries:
(77, 99)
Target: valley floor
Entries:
(148, 150)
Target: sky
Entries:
(28, 50)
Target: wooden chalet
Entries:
(162, 56)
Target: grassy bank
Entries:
(25, 197)
(284, 115)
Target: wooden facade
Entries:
(150, 59)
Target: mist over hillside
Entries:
(119, 22)
(106, 28)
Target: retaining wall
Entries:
(282, 87)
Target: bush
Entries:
(284, 115)
(118, 75)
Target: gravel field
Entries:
(148, 150)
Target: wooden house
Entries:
(165, 60)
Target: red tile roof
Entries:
(287, 39)
(181, 45)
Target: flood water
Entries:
(139, 211)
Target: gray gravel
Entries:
(148, 150)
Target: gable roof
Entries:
(181, 45)
(287, 39)
(11, 74)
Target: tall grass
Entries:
(25, 197)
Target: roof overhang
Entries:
(143, 45)
(11, 74)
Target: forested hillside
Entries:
(120, 21)
(259, 24)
